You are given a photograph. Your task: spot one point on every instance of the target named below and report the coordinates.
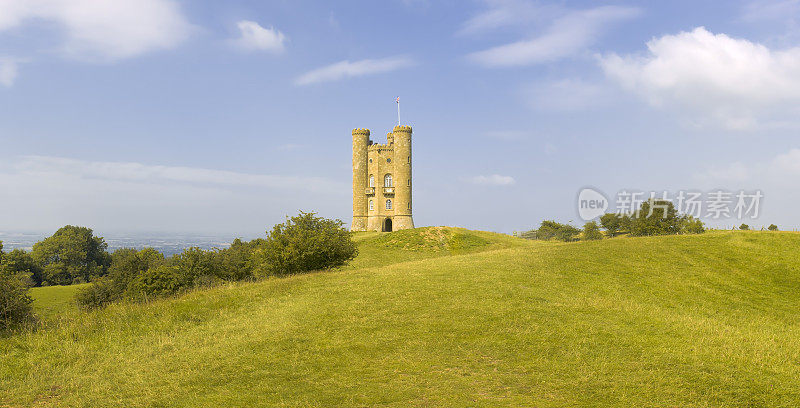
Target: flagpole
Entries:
(398, 111)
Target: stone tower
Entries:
(382, 181)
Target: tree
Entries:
(553, 230)
(15, 304)
(744, 227)
(772, 227)
(20, 263)
(305, 243)
(72, 255)
(691, 225)
(656, 217)
(612, 222)
(591, 231)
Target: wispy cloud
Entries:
(104, 30)
(509, 13)
(254, 37)
(138, 172)
(492, 180)
(566, 36)
(347, 69)
(8, 71)
(713, 78)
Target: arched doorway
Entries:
(387, 225)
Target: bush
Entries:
(552, 230)
(128, 263)
(306, 243)
(19, 262)
(744, 227)
(159, 281)
(241, 260)
(772, 227)
(691, 225)
(15, 304)
(591, 232)
(100, 293)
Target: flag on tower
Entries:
(398, 99)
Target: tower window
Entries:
(388, 204)
(409, 182)
(371, 205)
(387, 180)
(409, 206)
(370, 160)
(388, 160)
(371, 180)
(409, 159)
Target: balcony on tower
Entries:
(370, 191)
(388, 190)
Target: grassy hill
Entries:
(449, 317)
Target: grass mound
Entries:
(710, 320)
(432, 239)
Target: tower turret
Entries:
(360, 144)
(402, 168)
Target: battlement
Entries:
(360, 131)
(402, 128)
(378, 146)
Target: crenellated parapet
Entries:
(360, 131)
(403, 128)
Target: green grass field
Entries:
(53, 302)
(449, 317)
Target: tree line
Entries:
(654, 217)
(74, 255)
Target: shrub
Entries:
(552, 230)
(195, 262)
(15, 304)
(772, 227)
(591, 232)
(241, 260)
(100, 293)
(159, 281)
(71, 255)
(19, 262)
(128, 263)
(691, 225)
(305, 243)
(744, 227)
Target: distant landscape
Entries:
(166, 243)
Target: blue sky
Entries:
(223, 117)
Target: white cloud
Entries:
(348, 69)
(568, 35)
(103, 30)
(505, 13)
(8, 71)
(493, 180)
(712, 77)
(255, 37)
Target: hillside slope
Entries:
(708, 320)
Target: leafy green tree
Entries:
(691, 225)
(656, 217)
(553, 230)
(744, 227)
(15, 304)
(612, 222)
(772, 227)
(128, 263)
(20, 263)
(591, 232)
(241, 260)
(305, 243)
(72, 255)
